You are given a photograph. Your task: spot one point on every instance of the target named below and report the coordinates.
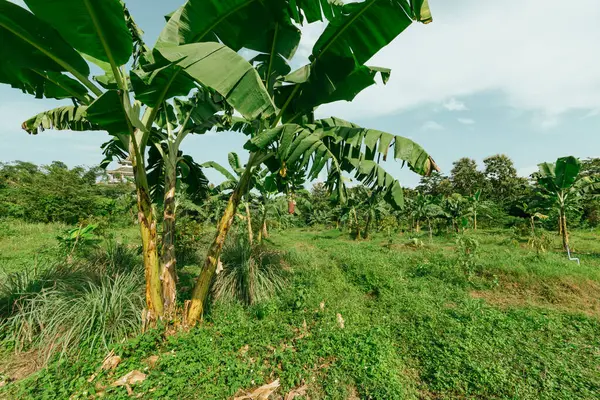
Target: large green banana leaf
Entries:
(107, 111)
(560, 175)
(312, 96)
(346, 148)
(61, 118)
(32, 55)
(353, 36)
(566, 171)
(94, 27)
(240, 86)
(261, 25)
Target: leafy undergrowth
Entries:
(359, 320)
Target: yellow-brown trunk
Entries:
(168, 260)
(195, 307)
(154, 302)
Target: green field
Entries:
(420, 320)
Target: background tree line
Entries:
(494, 197)
(56, 193)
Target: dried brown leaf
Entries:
(131, 378)
(340, 320)
(262, 393)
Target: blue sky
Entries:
(519, 77)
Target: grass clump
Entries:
(74, 307)
(251, 274)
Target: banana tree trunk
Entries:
(563, 229)
(430, 229)
(475, 220)
(291, 204)
(263, 233)
(249, 223)
(168, 260)
(418, 226)
(147, 222)
(368, 226)
(200, 292)
(356, 225)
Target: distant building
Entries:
(123, 172)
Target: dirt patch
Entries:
(565, 294)
(17, 366)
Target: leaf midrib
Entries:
(68, 67)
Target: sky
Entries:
(515, 77)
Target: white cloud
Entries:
(455, 105)
(431, 126)
(541, 54)
(466, 121)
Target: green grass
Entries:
(419, 323)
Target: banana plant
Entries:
(563, 186)
(291, 139)
(232, 180)
(454, 207)
(374, 206)
(475, 205)
(47, 50)
(425, 208)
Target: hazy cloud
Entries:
(540, 54)
(466, 121)
(431, 126)
(455, 105)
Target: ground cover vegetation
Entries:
(457, 288)
(325, 304)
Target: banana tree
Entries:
(337, 71)
(475, 205)
(374, 206)
(564, 186)
(424, 208)
(454, 207)
(47, 51)
(230, 183)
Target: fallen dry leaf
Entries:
(151, 361)
(111, 362)
(322, 305)
(219, 267)
(340, 320)
(91, 378)
(131, 378)
(262, 393)
(300, 391)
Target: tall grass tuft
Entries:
(74, 308)
(250, 274)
